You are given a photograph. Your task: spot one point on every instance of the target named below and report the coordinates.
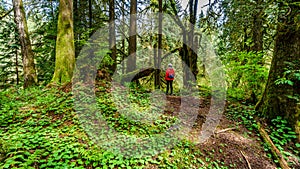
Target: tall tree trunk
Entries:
(284, 100)
(17, 67)
(184, 57)
(131, 61)
(257, 27)
(123, 36)
(91, 16)
(189, 48)
(30, 77)
(112, 34)
(193, 42)
(65, 50)
(17, 61)
(155, 51)
(158, 66)
(76, 23)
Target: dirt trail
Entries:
(234, 147)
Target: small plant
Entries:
(291, 75)
(282, 135)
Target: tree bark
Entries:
(112, 34)
(131, 61)
(283, 100)
(65, 50)
(17, 67)
(189, 48)
(159, 51)
(123, 37)
(29, 71)
(257, 27)
(76, 24)
(155, 57)
(194, 40)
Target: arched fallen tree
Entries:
(135, 75)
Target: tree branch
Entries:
(170, 53)
(224, 130)
(176, 18)
(119, 50)
(248, 163)
(135, 75)
(7, 13)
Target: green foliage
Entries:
(140, 103)
(186, 155)
(44, 37)
(279, 131)
(41, 22)
(38, 127)
(9, 47)
(291, 74)
(244, 115)
(283, 135)
(290, 78)
(246, 74)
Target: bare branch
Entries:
(7, 13)
(248, 163)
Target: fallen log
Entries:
(135, 75)
(275, 152)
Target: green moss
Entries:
(65, 49)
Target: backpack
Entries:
(171, 75)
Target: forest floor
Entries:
(231, 143)
(40, 128)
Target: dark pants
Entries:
(169, 83)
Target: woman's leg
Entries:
(171, 86)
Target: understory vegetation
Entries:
(40, 128)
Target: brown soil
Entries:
(235, 146)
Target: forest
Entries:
(186, 84)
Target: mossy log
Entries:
(135, 75)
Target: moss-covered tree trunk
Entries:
(76, 24)
(282, 100)
(189, 47)
(65, 50)
(29, 71)
(257, 28)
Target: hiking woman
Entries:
(170, 74)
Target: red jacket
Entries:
(170, 71)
